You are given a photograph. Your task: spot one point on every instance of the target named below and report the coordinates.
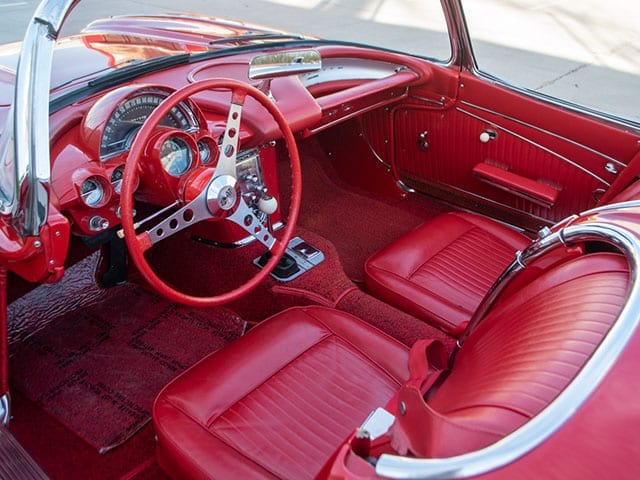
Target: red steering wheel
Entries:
(220, 198)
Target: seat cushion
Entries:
(526, 351)
(440, 271)
(279, 401)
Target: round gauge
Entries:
(116, 178)
(91, 192)
(175, 156)
(127, 119)
(205, 151)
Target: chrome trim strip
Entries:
(612, 206)
(5, 409)
(566, 105)
(535, 144)
(365, 137)
(361, 111)
(424, 187)
(403, 186)
(542, 426)
(30, 121)
(545, 131)
(439, 103)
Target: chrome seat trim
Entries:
(557, 413)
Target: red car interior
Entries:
(417, 181)
(318, 368)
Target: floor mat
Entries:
(358, 223)
(103, 355)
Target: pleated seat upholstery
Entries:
(440, 271)
(281, 400)
(277, 402)
(528, 348)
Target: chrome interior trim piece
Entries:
(535, 144)
(375, 154)
(280, 64)
(421, 186)
(558, 412)
(335, 69)
(403, 186)
(392, 98)
(547, 132)
(612, 206)
(439, 103)
(5, 409)
(26, 148)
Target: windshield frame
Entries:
(25, 139)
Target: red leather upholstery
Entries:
(526, 351)
(441, 270)
(277, 402)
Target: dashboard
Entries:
(91, 138)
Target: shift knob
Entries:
(268, 204)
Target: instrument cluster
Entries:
(184, 141)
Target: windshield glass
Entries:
(413, 26)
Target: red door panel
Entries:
(537, 164)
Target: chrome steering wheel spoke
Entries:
(244, 217)
(193, 212)
(229, 150)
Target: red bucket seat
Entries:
(279, 401)
(441, 270)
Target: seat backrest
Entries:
(527, 350)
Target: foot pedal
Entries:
(299, 257)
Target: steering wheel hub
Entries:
(222, 194)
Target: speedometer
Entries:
(126, 120)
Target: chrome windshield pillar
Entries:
(24, 145)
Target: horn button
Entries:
(222, 194)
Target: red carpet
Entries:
(103, 355)
(359, 223)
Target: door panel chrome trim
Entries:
(535, 144)
(545, 131)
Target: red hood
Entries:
(114, 42)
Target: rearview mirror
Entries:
(284, 63)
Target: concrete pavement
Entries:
(594, 59)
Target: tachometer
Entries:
(127, 119)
